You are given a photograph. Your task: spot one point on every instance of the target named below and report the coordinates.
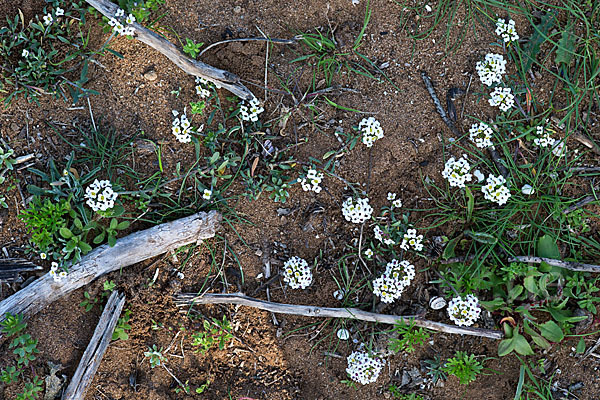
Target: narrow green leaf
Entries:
(580, 346)
(470, 203)
(505, 347)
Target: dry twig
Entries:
(190, 299)
(570, 265)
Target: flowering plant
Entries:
(464, 312)
(363, 367)
(397, 276)
(357, 211)
(296, 273)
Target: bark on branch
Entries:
(129, 250)
(90, 361)
(190, 299)
(225, 79)
(571, 265)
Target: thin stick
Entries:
(586, 200)
(189, 299)
(225, 79)
(438, 104)
(570, 265)
(90, 361)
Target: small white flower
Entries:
(206, 194)
(120, 12)
(491, 69)
(397, 276)
(43, 256)
(527, 189)
(464, 312)
(507, 30)
(391, 196)
(368, 253)
(296, 273)
(357, 212)
(364, 368)
(371, 129)
(457, 172)
(251, 111)
(60, 11)
(495, 189)
(481, 135)
(397, 203)
(25, 53)
(130, 19)
(100, 195)
(48, 19)
(502, 98)
(181, 127)
(411, 239)
(543, 138)
(312, 181)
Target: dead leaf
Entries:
(254, 165)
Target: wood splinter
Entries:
(90, 361)
(190, 299)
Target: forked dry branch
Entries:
(190, 299)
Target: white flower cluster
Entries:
(357, 212)
(397, 276)
(118, 27)
(457, 172)
(181, 127)
(395, 202)
(371, 129)
(502, 98)
(382, 236)
(363, 368)
(55, 274)
(506, 30)
(543, 138)
(464, 312)
(100, 195)
(481, 135)
(495, 190)
(412, 239)
(312, 181)
(251, 111)
(296, 273)
(491, 69)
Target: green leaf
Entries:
(449, 250)
(505, 347)
(547, 248)
(66, 233)
(112, 240)
(520, 384)
(123, 225)
(99, 238)
(539, 36)
(470, 203)
(564, 51)
(515, 292)
(580, 346)
(78, 224)
(113, 224)
(530, 285)
(522, 345)
(85, 248)
(551, 331)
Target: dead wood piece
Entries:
(127, 251)
(189, 299)
(11, 268)
(570, 265)
(90, 361)
(225, 79)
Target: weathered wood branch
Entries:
(127, 251)
(190, 299)
(90, 361)
(223, 78)
(10, 268)
(571, 265)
